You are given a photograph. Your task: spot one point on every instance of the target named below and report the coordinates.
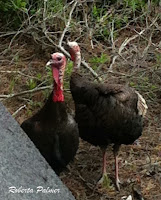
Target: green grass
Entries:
(96, 61)
(31, 83)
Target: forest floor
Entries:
(23, 66)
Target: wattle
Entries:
(58, 94)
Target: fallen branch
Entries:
(113, 62)
(91, 70)
(18, 72)
(26, 92)
(17, 111)
(151, 164)
(4, 34)
(37, 89)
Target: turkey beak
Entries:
(49, 63)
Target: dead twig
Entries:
(25, 92)
(147, 47)
(128, 40)
(37, 89)
(18, 72)
(67, 24)
(59, 46)
(18, 110)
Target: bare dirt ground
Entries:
(139, 165)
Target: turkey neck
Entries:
(58, 95)
(55, 109)
(52, 111)
(58, 106)
(77, 61)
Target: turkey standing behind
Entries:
(52, 129)
(105, 113)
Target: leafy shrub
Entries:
(11, 11)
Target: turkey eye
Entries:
(59, 58)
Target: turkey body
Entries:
(105, 113)
(52, 129)
(54, 132)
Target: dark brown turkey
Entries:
(52, 129)
(105, 113)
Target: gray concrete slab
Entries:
(23, 168)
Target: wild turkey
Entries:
(52, 129)
(105, 113)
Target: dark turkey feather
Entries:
(55, 134)
(105, 113)
(52, 129)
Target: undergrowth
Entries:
(100, 23)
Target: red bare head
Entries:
(58, 64)
(73, 49)
(75, 54)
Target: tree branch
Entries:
(128, 40)
(59, 46)
(68, 23)
(26, 92)
(18, 110)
